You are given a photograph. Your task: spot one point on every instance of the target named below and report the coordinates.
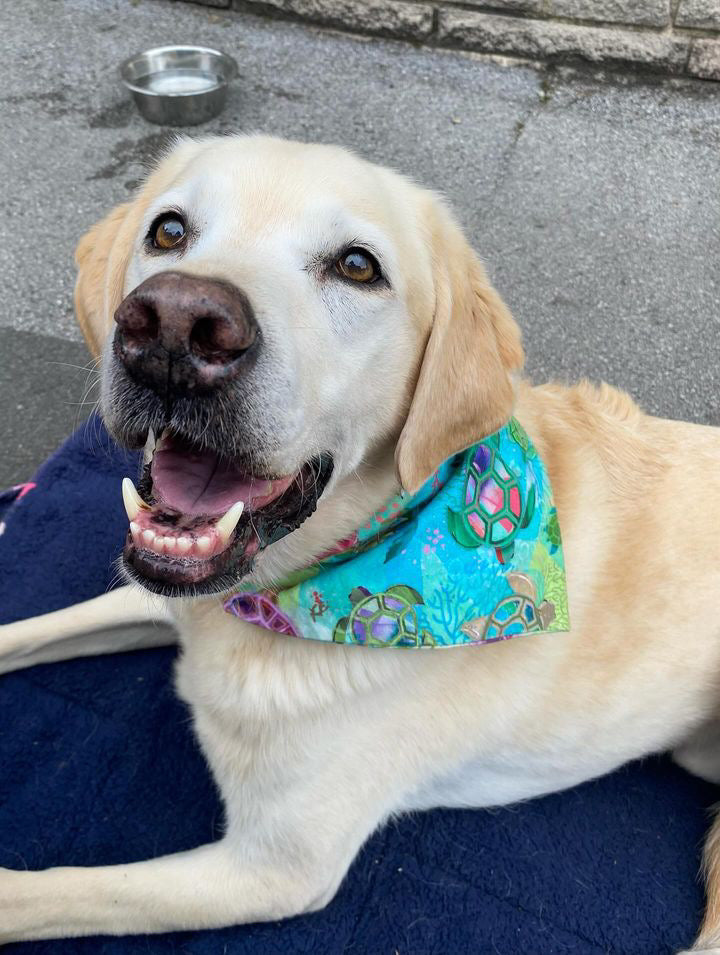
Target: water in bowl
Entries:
(171, 82)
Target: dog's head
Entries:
(277, 320)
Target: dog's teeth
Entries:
(134, 528)
(169, 543)
(203, 545)
(183, 545)
(154, 542)
(228, 522)
(132, 500)
(149, 449)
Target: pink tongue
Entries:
(200, 483)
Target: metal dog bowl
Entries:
(179, 85)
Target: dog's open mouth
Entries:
(198, 520)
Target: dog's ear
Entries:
(101, 257)
(464, 389)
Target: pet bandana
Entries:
(474, 557)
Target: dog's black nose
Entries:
(185, 333)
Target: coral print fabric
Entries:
(474, 557)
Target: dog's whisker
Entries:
(65, 364)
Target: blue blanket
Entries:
(98, 765)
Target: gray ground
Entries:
(594, 202)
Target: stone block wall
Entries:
(679, 37)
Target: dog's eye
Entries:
(167, 231)
(359, 266)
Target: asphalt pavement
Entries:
(593, 198)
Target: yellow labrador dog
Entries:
(334, 338)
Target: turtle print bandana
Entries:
(474, 557)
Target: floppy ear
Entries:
(101, 257)
(464, 390)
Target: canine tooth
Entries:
(134, 528)
(183, 545)
(203, 544)
(228, 522)
(132, 500)
(148, 537)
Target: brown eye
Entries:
(167, 232)
(359, 266)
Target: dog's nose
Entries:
(184, 333)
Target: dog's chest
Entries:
(240, 672)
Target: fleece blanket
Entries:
(98, 765)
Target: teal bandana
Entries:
(474, 557)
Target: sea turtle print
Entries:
(514, 615)
(386, 619)
(520, 437)
(552, 530)
(493, 509)
(261, 610)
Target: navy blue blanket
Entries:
(98, 765)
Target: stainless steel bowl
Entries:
(179, 85)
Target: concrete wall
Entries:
(669, 36)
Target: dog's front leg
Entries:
(124, 619)
(207, 887)
(300, 802)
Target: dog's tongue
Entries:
(201, 483)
